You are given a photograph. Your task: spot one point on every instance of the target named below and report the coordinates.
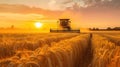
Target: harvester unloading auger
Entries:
(64, 27)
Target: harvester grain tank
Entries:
(64, 26)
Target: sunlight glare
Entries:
(38, 24)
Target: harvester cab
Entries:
(65, 24)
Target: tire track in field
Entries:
(88, 54)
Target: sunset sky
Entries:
(83, 13)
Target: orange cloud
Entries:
(81, 17)
(27, 10)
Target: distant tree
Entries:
(109, 28)
(97, 29)
(90, 28)
(12, 26)
(93, 29)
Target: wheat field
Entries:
(60, 50)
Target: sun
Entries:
(38, 24)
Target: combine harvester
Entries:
(64, 27)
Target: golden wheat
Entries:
(59, 50)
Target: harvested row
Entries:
(66, 53)
(105, 53)
(9, 47)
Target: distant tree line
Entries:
(107, 29)
(11, 27)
